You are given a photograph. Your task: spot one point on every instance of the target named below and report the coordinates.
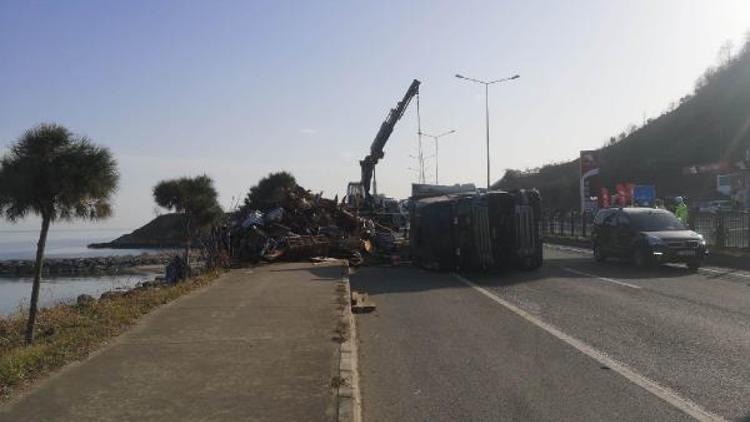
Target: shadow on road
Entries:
(410, 278)
(323, 271)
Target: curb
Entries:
(348, 396)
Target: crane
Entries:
(358, 191)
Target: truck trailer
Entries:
(477, 231)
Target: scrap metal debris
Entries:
(305, 225)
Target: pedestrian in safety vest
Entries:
(681, 210)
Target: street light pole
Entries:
(487, 111)
(436, 138)
(487, 125)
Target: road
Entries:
(576, 340)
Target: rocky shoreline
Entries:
(87, 266)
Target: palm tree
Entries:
(195, 199)
(55, 175)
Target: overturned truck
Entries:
(477, 231)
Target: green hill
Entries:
(711, 125)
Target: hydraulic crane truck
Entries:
(358, 193)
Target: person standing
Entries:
(681, 210)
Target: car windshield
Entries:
(656, 221)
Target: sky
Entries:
(238, 89)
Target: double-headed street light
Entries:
(435, 138)
(487, 111)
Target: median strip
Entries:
(685, 405)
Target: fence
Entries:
(723, 230)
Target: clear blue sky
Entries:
(240, 89)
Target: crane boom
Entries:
(376, 149)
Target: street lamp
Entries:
(435, 138)
(487, 111)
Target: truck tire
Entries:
(531, 263)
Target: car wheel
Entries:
(694, 265)
(598, 254)
(640, 259)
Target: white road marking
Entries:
(608, 280)
(713, 270)
(685, 405)
(568, 248)
(726, 272)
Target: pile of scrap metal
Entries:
(303, 226)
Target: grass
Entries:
(67, 333)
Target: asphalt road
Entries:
(576, 340)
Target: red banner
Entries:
(620, 189)
(629, 188)
(605, 201)
(625, 194)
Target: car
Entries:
(647, 236)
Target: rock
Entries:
(112, 294)
(84, 300)
(95, 265)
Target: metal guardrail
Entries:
(721, 229)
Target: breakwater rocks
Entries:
(86, 266)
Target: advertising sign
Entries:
(620, 189)
(629, 188)
(589, 180)
(644, 195)
(624, 194)
(605, 200)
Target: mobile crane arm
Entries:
(376, 149)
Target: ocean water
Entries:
(16, 291)
(21, 244)
(63, 243)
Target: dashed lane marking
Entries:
(685, 405)
(712, 270)
(606, 279)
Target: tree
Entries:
(724, 56)
(270, 191)
(195, 199)
(55, 175)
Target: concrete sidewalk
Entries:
(258, 345)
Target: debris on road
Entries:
(361, 303)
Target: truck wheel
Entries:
(598, 254)
(531, 263)
(694, 264)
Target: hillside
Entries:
(164, 231)
(709, 126)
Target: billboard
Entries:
(644, 195)
(624, 194)
(605, 200)
(590, 185)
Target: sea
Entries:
(63, 243)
